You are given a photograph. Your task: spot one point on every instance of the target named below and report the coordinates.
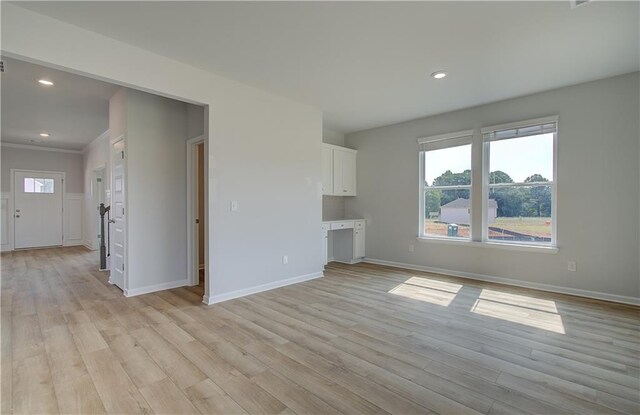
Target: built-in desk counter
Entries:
(344, 240)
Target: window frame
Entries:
(476, 137)
(486, 186)
(33, 187)
(457, 139)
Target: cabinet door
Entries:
(344, 173)
(349, 174)
(358, 243)
(325, 245)
(327, 170)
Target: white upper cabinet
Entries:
(338, 171)
(327, 170)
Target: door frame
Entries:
(94, 175)
(13, 172)
(193, 265)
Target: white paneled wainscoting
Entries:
(73, 211)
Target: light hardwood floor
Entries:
(362, 340)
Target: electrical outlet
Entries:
(411, 248)
(285, 259)
(571, 266)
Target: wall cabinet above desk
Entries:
(338, 171)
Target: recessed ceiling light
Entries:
(45, 82)
(439, 74)
(44, 135)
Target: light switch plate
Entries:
(234, 205)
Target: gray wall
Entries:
(156, 131)
(598, 195)
(264, 150)
(20, 158)
(195, 121)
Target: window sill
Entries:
(497, 245)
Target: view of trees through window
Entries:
(519, 205)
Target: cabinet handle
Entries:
(344, 190)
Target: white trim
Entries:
(66, 241)
(448, 136)
(515, 124)
(487, 186)
(12, 173)
(193, 262)
(155, 287)
(260, 288)
(508, 281)
(468, 136)
(541, 249)
(41, 148)
(9, 245)
(333, 146)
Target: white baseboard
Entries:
(351, 262)
(156, 287)
(73, 242)
(89, 245)
(260, 288)
(508, 281)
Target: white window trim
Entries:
(485, 242)
(421, 181)
(543, 249)
(553, 184)
(519, 124)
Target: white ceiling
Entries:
(367, 64)
(74, 111)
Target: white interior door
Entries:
(38, 209)
(118, 226)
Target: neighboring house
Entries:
(459, 210)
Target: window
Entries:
(446, 184)
(521, 183)
(36, 185)
(517, 195)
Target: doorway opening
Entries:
(197, 222)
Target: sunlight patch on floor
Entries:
(429, 290)
(521, 309)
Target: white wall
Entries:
(264, 150)
(95, 156)
(32, 159)
(598, 195)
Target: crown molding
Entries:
(40, 148)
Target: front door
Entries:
(118, 225)
(38, 209)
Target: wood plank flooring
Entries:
(364, 339)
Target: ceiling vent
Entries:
(578, 3)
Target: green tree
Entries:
(499, 176)
(453, 179)
(433, 199)
(539, 203)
